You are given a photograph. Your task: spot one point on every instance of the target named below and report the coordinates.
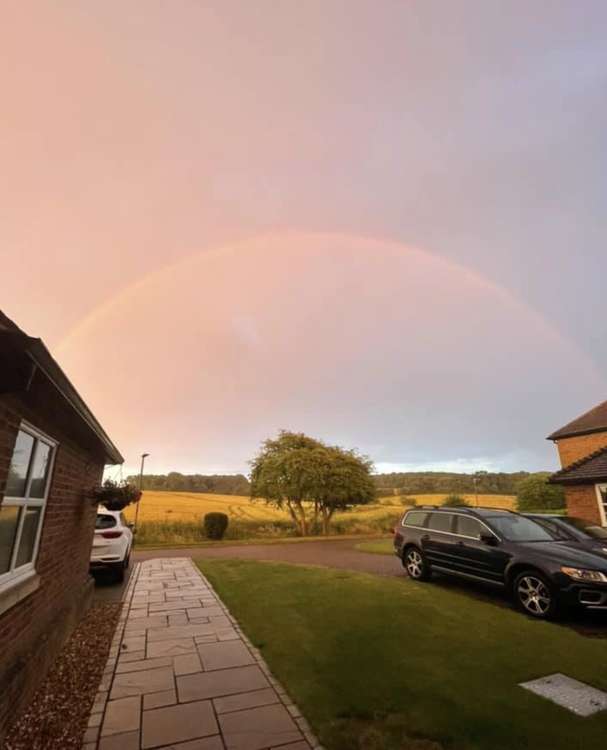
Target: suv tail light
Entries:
(111, 534)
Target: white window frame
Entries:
(16, 575)
(602, 505)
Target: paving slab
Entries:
(245, 700)
(258, 728)
(121, 716)
(144, 681)
(188, 721)
(223, 655)
(577, 697)
(222, 682)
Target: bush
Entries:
(452, 501)
(215, 525)
(534, 493)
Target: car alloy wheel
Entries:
(534, 595)
(415, 564)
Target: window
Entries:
(22, 509)
(104, 521)
(601, 490)
(440, 521)
(519, 529)
(467, 526)
(415, 518)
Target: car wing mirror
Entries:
(489, 539)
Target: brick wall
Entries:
(582, 502)
(34, 629)
(573, 448)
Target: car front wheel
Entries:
(534, 595)
(415, 564)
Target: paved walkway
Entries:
(182, 676)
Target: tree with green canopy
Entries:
(310, 479)
(534, 493)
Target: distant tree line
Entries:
(437, 482)
(218, 484)
(398, 483)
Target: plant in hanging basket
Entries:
(115, 495)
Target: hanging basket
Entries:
(114, 496)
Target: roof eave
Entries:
(559, 435)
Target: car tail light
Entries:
(111, 534)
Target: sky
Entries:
(380, 222)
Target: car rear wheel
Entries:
(415, 564)
(534, 595)
(118, 570)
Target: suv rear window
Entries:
(415, 518)
(105, 521)
(440, 521)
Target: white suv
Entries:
(112, 542)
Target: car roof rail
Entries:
(425, 507)
(493, 507)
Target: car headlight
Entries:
(580, 574)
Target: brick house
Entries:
(52, 449)
(582, 447)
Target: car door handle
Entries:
(425, 537)
(461, 544)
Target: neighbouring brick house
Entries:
(582, 447)
(52, 450)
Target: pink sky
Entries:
(193, 196)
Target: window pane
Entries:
(28, 536)
(105, 521)
(42, 459)
(468, 527)
(440, 521)
(17, 473)
(415, 518)
(9, 518)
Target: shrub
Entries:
(452, 501)
(534, 493)
(215, 525)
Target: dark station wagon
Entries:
(504, 549)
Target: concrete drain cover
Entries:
(578, 697)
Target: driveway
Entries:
(332, 554)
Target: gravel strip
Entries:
(57, 717)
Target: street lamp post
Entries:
(143, 457)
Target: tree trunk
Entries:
(293, 516)
(303, 521)
(327, 514)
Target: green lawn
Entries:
(382, 664)
(377, 546)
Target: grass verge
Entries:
(377, 546)
(387, 664)
(245, 542)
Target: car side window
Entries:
(415, 518)
(440, 521)
(467, 526)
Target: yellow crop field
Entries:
(190, 506)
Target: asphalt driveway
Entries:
(331, 554)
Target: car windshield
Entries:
(596, 532)
(515, 528)
(105, 521)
